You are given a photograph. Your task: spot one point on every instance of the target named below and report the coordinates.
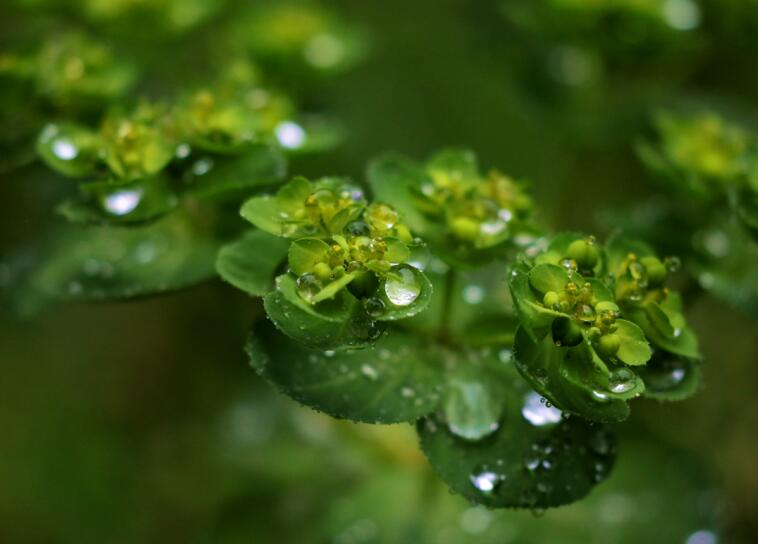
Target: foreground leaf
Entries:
(390, 382)
(250, 262)
(535, 460)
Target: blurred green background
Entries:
(142, 422)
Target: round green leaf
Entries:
(548, 277)
(257, 166)
(390, 382)
(263, 212)
(250, 262)
(536, 459)
(635, 349)
(305, 254)
(104, 263)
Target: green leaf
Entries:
(601, 291)
(104, 263)
(257, 166)
(331, 324)
(535, 460)
(249, 263)
(535, 319)
(394, 179)
(635, 349)
(405, 292)
(669, 377)
(683, 340)
(121, 203)
(390, 382)
(618, 248)
(397, 251)
(69, 148)
(306, 253)
(455, 163)
(564, 383)
(745, 204)
(263, 212)
(548, 277)
(659, 319)
(332, 289)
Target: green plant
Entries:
(503, 387)
(430, 294)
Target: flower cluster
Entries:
(477, 210)
(601, 311)
(342, 242)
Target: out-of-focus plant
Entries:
(705, 165)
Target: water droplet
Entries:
(402, 288)
(537, 412)
(681, 14)
(64, 149)
(673, 264)
(290, 135)
(666, 375)
(183, 151)
(601, 443)
(532, 460)
(123, 202)
(202, 166)
(485, 481)
(374, 306)
(505, 355)
(75, 288)
(145, 252)
(473, 294)
(599, 396)
(308, 286)
(475, 520)
(622, 380)
(702, 537)
(324, 51)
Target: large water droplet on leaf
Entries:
(471, 410)
(402, 288)
(622, 380)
